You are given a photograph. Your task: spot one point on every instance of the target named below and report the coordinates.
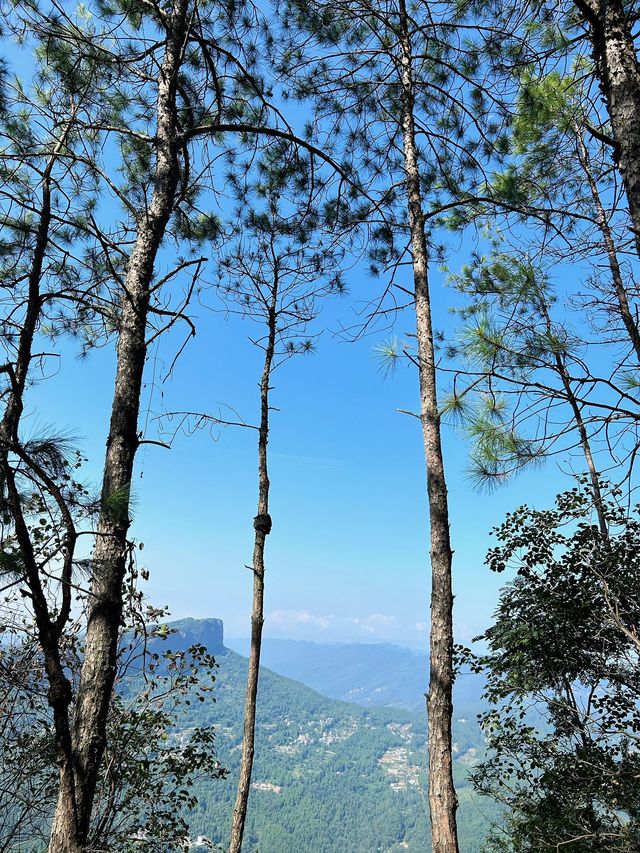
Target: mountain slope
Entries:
(370, 674)
(329, 777)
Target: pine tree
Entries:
(390, 83)
(543, 352)
(282, 264)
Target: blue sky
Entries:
(348, 555)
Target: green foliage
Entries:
(562, 679)
(543, 103)
(388, 354)
(566, 629)
(176, 720)
(152, 766)
(525, 368)
(119, 503)
(281, 259)
(27, 760)
(148, 780)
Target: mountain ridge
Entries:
(368, 674)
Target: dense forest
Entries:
(457, 181)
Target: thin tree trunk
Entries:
(262, 526)
(619, 289)
(49, 630)
(583, 435)
(111, 548)
(618, 71)
(586, 448)
(443, 801)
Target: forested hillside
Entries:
(316, 759)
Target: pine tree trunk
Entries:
(111, 548)
(443, 802)
(262, 526)
(618, 71)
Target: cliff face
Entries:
(208, 632)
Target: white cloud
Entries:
(293, 618)
(305, 624)
(377, 623)
(295, 623)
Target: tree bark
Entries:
(443, 801)
(262, 526)
(111, 548)
(618, 71)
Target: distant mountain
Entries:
(207, 632)
(329, 776)
(369, 674)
